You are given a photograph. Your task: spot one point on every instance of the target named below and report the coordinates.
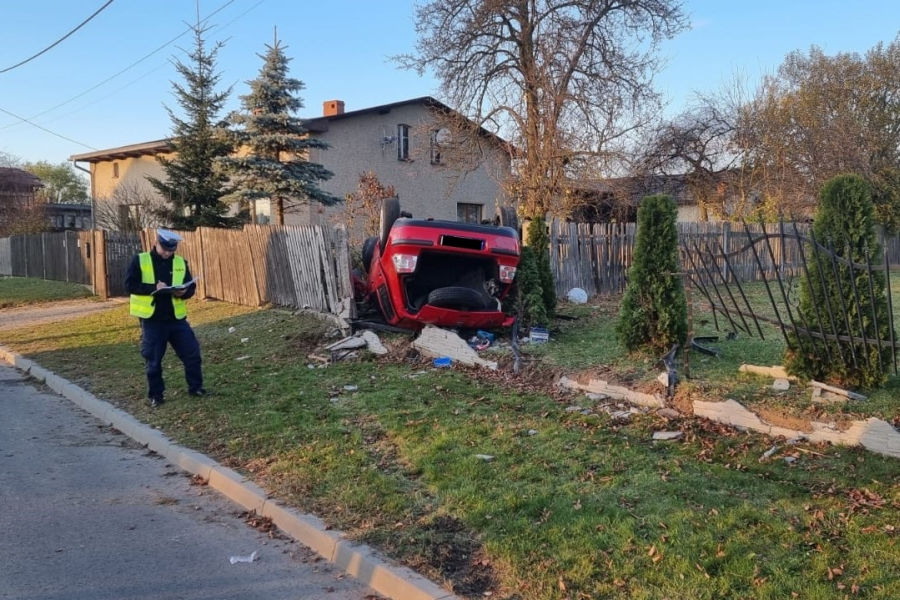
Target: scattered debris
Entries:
(438, 343)
(598, 386)
(532, 432)
(245, 340)
(768, 453)
(442, 362)
(373, 342)
(668, 435)
(621, 416)
(669, 413)
(347, 343)
(231, 330)
(698, 346)
(790, 459)
(244, 357)
(243, 559)
(484, 457)
(571, 409)
(775, 371)
(781, 385)
(596, 397)
(823, 393)
(538, 335)
(670, 377)
(351, 388)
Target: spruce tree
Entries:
(844, 222)
(654, 309)
(194, 187)
(275, 145)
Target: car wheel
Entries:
(368, 251)
(390, 212)
(461, 298)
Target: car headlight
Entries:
(507, 274)
(405, 263)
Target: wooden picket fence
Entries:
(596, 256)
(304, 267)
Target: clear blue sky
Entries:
(340, 50)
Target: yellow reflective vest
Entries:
(143, 306)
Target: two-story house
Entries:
(400, 142)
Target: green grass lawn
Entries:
(20, 291)
(573, 506)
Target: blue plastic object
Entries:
(443, 361)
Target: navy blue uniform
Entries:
(162, 328)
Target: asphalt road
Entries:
(86, 514)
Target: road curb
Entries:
(362, 562)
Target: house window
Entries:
(261, 211)
(468, 213)
(115, 170)
(402, 142)
(435, 148)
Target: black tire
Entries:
(460, 298)
(390, 212)
(506, 217)
(368, 251)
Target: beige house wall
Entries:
(132, 171)
(357, 144)
(424, 189)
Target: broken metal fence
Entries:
(786, 253)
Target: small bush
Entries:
(528, 300)
(540, 243)
(845, 222)
(654, 311)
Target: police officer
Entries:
(163, 313)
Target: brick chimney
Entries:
(331, 108)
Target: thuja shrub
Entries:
(845, 225)
(527, 298)
(654, 311)
(540, 244)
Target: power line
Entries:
(132, 65)
(135, 63)
(82, 24)
(59, 135)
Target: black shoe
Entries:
(155, 401)
(199, 393)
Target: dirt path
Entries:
(11, 318)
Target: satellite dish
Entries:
(442, 136)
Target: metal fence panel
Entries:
(121, 246)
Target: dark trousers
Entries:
(155, 337)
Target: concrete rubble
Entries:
(436, 343)
(775, 371)
(615, 392)
(873, 434)
(363, 339)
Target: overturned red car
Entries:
(428, 272)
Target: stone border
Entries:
(363, 563)
(872, 434)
